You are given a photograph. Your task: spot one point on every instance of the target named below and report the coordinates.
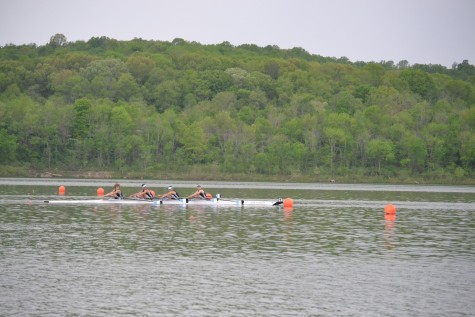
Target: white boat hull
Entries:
(181, 202)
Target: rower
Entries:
(171, 194)
(145, 193)
(200, 193)
(116, 193)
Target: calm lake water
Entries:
(332, 254)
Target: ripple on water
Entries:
(339, 259)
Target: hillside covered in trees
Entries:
(152, 108)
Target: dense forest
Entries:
(158, 109)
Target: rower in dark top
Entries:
(171, 194)
(199, 193)
(116, 193)
(145, 193)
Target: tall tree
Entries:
(58, 40)
(380, 151)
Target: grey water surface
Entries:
(333, 254)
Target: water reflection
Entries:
(288, 213)
(389, 227)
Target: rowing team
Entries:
(146, 193)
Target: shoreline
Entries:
(210, 176)
(219, 184)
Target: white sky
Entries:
(419, 31)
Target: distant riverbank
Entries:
(213, 175)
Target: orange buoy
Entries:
(389, 209)
(61, 190)
(209, 196)
(100, 191)
(390, 217)
(153, 193)
(288, 202)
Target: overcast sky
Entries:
(419, 31)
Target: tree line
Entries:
(152, 106)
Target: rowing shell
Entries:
(181, 202)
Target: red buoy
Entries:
(61, 190)
(100, 191)
(389, 209)
(288, 202)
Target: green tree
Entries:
(121, 121)
(8, 146)
(435, 137)
(362, 92)
(344, 102)
(414, 152)
(82, 112)
(140, 67)
(272, 69)
(419, 82)
(335, 138)
(167, 95)
(127, 87)
(58, 40)
(467, 150)
(459, 91)
(380, 151)
(193, 142)
(103, 76)
(373, 74)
